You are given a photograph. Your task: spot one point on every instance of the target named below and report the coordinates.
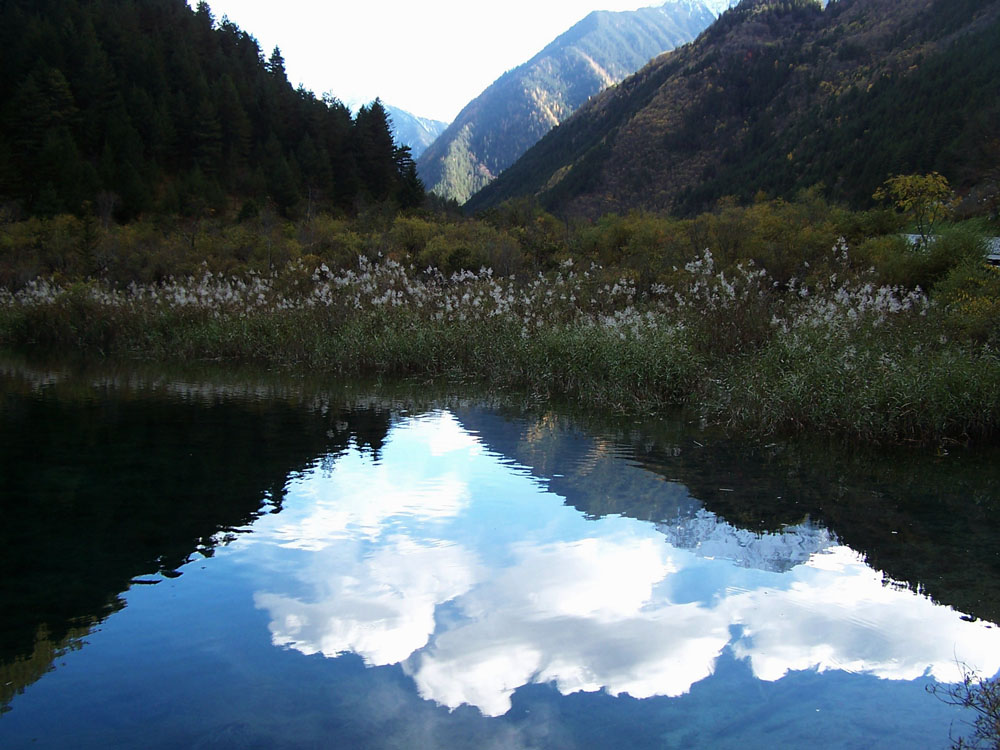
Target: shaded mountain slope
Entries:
(780, 95)
(493, 130)
(410, 130)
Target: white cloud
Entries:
(362, 497)
(441, 433)
(838, 614)
(603, 579)
(346, 509)
(397, 561)
(380, 607)
(527, 627)
(571, 613)
(660, 652)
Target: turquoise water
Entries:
(268, 563)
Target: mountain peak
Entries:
(715, 7)
(779, 96)
(520, 107)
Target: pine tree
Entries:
(276, 65)
(376, 151)
(410, 191)
(206, 137)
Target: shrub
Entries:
(899, 262)
(980, 695)
(971, 294)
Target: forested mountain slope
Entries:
(780, 95)
(493, 130)
(153, 106)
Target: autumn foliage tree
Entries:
(925, 199)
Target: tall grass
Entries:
(837, 354)
(754, 317)
(566, 332)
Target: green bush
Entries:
(971, 296)
(899, 262)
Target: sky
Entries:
(428, 58)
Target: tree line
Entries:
(125, 107)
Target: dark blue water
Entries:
(271, 563)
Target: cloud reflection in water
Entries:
(408, 561)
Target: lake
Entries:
(217, 558)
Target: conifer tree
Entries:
(376, 151)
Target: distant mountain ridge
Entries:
(493, 130)
(407, 128)
(416, 132)
(778, 96)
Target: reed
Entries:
(838, 354)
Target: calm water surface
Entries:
(213, 561)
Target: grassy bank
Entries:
(838, 352)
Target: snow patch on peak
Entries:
(707, 535)
(718, 7)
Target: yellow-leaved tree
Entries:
(926, 199)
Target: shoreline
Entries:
(847, 360)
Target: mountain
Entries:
(494, 129)
(416, 132)
(778, 96)
(408, 129)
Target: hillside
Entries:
(410, 130)
(493, 130)
(781, 95)
(124, 108)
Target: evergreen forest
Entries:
(124, 107)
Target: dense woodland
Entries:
(780, 96)
(938, 112)
(122, 107)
